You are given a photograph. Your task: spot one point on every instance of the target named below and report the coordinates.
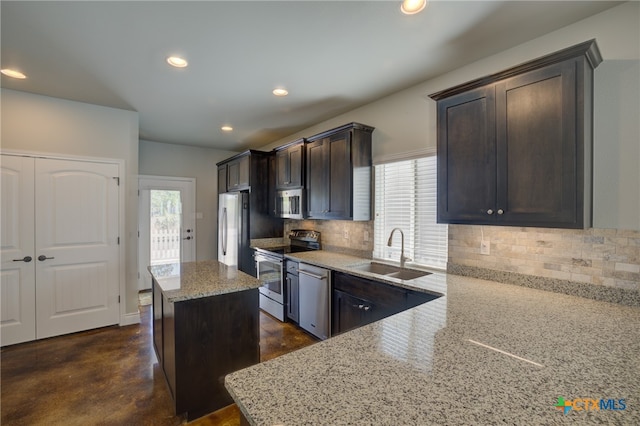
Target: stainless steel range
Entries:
(269, 267)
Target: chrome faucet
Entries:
(402, 256)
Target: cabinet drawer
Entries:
(292, 267)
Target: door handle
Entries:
(26, 259)
(42, 258)
(187, 238)
(318, 277)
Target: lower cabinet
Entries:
(358, 301)
(199, 341)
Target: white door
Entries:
(166, 223)
(18, 282)
(76, 256)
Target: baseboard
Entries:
(130, 319)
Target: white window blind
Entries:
(405, 198)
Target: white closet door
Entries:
(17, 285)
(76, 256)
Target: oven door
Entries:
(269, 272)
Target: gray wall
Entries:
(405, 122)
(162, 159)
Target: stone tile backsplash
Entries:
(607, 257)
(339, 235)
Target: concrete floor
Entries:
(108, 376)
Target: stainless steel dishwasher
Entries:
(314, 286)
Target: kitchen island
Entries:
(483, 353)
(205, 325)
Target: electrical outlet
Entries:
(366, 236)
(345, 234)
(485, 247)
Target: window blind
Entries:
(405, 198)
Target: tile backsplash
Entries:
(604, 257)
(351, 237)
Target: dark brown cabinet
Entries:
(238, 172)
(199, 341)
(514, 148)
(358, 301)
(338, 173)
(290, 165)
(249, 173)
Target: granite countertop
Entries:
(193, 280)
(484, 353)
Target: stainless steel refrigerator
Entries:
(233, 231)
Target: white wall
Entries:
(45, 125)
(405, 122)
(162, 159)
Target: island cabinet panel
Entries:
(203, 340)
(515, 148)
(338, 173)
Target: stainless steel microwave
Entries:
(290, 204)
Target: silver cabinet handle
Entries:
(366, 308)
(500, 211)
(318, 277)
(25, 259)
(489, 211)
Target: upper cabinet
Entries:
(290, 160)
(338, 173)
(239, 172)
(514, 148)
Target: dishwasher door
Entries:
(314, 286)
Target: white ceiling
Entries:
(332, 56)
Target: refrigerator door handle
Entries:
(224, 231)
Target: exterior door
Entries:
(18, 282)
(166, 222)
(76, 256)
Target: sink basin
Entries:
(407, 274)
(390, 271)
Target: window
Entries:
(405, 198)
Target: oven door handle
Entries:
(318, 277)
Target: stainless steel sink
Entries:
(390, 271)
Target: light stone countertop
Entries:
(484, 353)
(193, 280)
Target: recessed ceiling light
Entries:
(176, 61)
(226, 128)
(13, 73)
(280, 92)
(411, 7)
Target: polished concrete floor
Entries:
(108, 376)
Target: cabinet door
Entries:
(222, 179)
(238, 174)
(292, 297)
(295, 165)
(339, 166)
(467, 157)
(244, 172)
(317, 178)
(283, 169)
(537, 147)
(347, 314)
